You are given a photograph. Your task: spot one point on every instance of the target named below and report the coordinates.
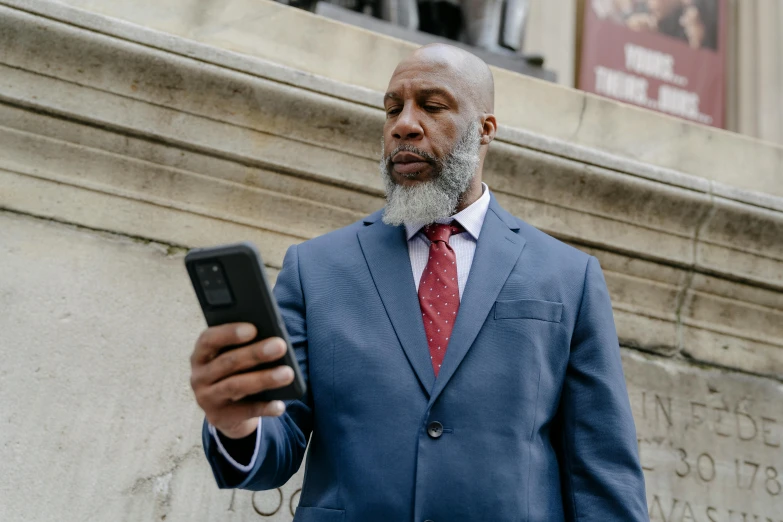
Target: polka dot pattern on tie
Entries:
(436, 303)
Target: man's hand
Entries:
(218, 385)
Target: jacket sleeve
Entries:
(283, 440)
(600, 468)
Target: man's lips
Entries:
(410, 168)
(408, 163)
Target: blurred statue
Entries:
(404, 13)
(493, 25)
(489, 24)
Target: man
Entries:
(699, 20)
(462, 365)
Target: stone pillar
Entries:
(755, 96)
(551, 32)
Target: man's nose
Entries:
(407, 126)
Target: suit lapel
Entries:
(497, 251)
(385, 249)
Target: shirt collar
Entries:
(471, 218)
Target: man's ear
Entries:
(489, 127)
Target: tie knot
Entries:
(442, 232)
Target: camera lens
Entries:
(213, 283)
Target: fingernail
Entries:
(282, 373)
(273, 348)
(245, 332)
(278, 407)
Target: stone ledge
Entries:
(165, 97)
(357, 57)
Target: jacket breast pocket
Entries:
(529, 309)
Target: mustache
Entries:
(429, 158)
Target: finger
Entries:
(214, 339)
(236, 387)
(245, 358)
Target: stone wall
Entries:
(121, 146)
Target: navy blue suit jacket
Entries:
(536, 420)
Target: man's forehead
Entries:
(457, 73)
(424, 65)
(425, 76)
(417, 86)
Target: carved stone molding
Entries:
(121, 128)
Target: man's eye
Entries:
(392, 111)
(433, 108)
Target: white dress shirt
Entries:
(464, 246)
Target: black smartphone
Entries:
(232, 287)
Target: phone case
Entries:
(247, 298)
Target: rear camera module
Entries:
(213, 284)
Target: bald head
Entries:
(439, 124)
(468, 75)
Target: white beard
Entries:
(438, 198)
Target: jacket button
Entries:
(435, 430)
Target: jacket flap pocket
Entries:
(316, 514)
(529, 309)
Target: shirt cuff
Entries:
(222, 450)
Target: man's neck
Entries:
(471, 195)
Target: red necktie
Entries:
(439, 290)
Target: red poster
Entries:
(666, 55)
